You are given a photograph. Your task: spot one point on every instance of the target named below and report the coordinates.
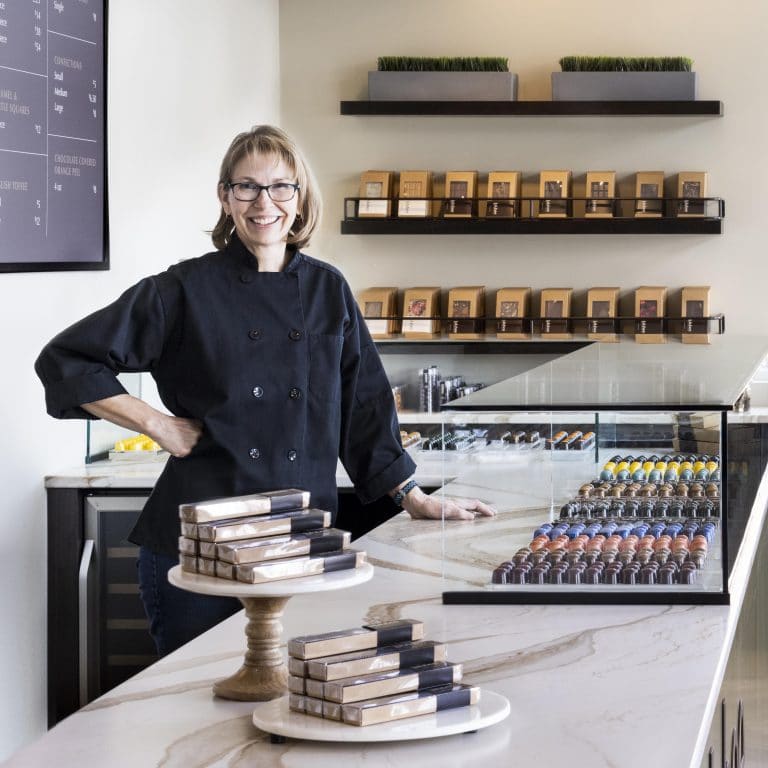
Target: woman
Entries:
(262, 357)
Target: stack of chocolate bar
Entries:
(262, 537)
(374, 674)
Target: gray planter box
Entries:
(623, 86)
(442, 86)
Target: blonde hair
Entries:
(269, 140)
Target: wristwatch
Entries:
(400, 495)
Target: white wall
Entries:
(184, 77)
(328, 47)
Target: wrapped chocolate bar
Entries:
(225, 570)
(279, 547)
(348, 640)
(313, 706)
(298, 667)
(296, 684)
(266, 525)
(384, 659)
(331, 710)
(295, 567)
(244, 506)
(188, 563)
(206, 567)
(187, 546)
(351, 689)
(425, 702)
(297, 702)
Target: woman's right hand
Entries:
(178, 435)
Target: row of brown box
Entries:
(503, 188)
(421, 319)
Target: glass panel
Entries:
(617, 502)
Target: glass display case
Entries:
(610, 469)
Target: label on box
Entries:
(413, 207)
(377, 326)
(373, 208)
(417, 326)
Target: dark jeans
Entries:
(175, 615)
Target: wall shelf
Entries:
(534, 108)
(571, 226)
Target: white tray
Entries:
(277, 719)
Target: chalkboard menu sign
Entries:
(52, 135)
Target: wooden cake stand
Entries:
(263, 675)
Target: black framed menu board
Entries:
(53, 191)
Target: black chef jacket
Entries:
(278, 366)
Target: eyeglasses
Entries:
(248, 191)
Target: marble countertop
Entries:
(624, 686)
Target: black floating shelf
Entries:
(533, 108)
(482, 226)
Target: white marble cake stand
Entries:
(263, 675)
(276, 719)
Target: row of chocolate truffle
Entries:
(597, 573)
(667, 468)
(570, 552)
(648, 507)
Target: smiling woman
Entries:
(262, 358)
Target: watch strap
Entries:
(400, 495)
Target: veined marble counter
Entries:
(144, 474)
(590, 686)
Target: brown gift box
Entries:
(460, 191)
(513, 305)
(504, 188)
(555, 311)
(649, 191)
(421, 313)
(691, 184)
(415, 189)
(694, 303)
(554, 189)
(602, 303)
(650, 306)
(600, 194)
(466, 312)
(375, 184)
(379, 303)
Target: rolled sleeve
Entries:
(80, 365)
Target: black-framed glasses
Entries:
(248, 191)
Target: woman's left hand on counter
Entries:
(422, 507)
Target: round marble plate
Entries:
(275, 718)
(322, 582)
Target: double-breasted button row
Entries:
(294, 392)
(291, 455)
(293, 334)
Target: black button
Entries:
(254, 453)
(255, 333)
(294, 393)
(292, 455)
(246, 278)
(258, 391)
(294, 335)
